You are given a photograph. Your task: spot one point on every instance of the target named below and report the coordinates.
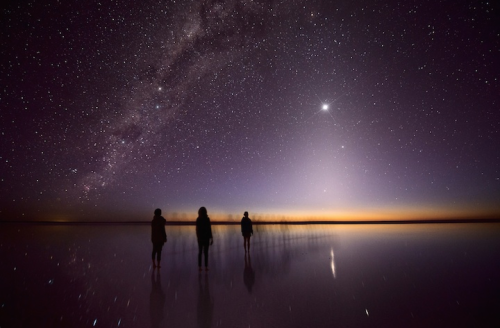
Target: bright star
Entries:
(325, 107)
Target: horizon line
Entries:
(294, 222)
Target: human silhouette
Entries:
(158, 237)
(248, 273)
(246, 231)
(204, 235)
(156, 300)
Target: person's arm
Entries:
(210, 229)
(197, 230)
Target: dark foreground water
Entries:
(437, 275)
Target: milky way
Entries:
(113, 107)
(208, 37)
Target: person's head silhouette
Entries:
(202, 212)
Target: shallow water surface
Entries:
(435, 275)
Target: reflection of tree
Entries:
(205, 307)
(248, 273)
(156, 300)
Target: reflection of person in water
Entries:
(158, 236)
(248, 273)
(156, 300)
(204, 235)
(246, 230)
(205, 306)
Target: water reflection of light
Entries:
(332, 264)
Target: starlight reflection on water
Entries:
(443, 275)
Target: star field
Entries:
(110, 109)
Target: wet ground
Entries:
(423, 275)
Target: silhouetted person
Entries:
(205, 306)
(248, 273)
(246, 230)
(204, 235)
(158, 237)
(156, 300)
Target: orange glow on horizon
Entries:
(367, 214)
(403, 213)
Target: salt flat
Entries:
(423, 275)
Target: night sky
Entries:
(332, 109)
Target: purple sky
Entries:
(110, 109)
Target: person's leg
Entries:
(153, 255)
(207, 244)
(158, 255)
(200, 247)
(246, 242)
